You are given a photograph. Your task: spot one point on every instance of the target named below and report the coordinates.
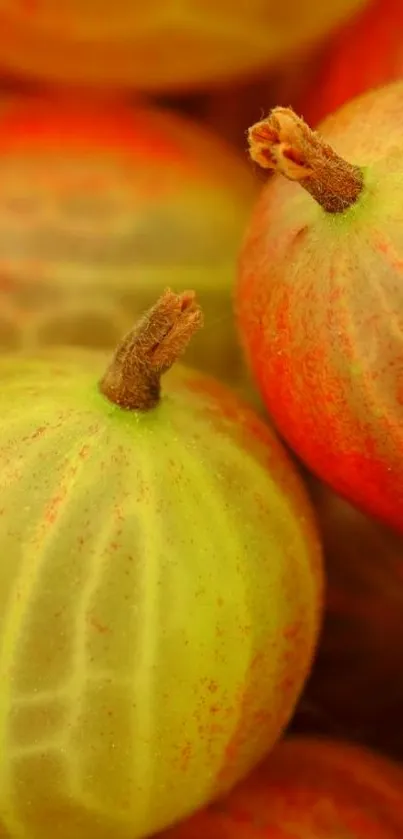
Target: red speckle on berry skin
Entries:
(97, 625)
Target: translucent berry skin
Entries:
(104, 205)
(160, 597)
(319, 307)
(308, 789)
(157, 46)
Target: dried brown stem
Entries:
(133, 379)
(285, 143)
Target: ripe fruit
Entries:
(159, 46)
(100, 210)
(320, 295)
(308, 789)
(367, 52)
(157, 621)
(356, 688)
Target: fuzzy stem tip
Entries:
(133, 378)
(284, 143)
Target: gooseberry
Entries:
(159, 45)
(320, 295)
(308, 789)
(160, 587)
(101, 209)
(364, 53)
